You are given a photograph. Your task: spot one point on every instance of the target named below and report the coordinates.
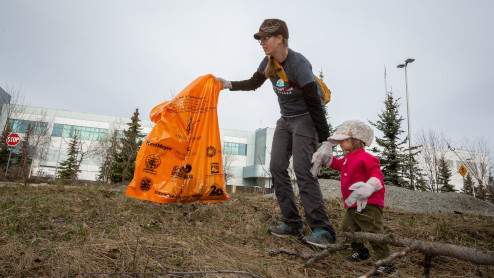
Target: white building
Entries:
(473, 163)
(246, 152)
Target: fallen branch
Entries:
(310, 257)
(429, 248)
(295, 251)
(387, 260)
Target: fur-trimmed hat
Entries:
(353, 129)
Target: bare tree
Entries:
(12, 104)
(228, 159)
(105, 149)
(87, 148)
(262, 181)
(433, 146)
(265, 177)
(25, 154)
(39, 139)
(36, 139)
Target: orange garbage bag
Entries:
(180, 160)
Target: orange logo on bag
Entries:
(215, 168)
(152, 162)
(146, 184)
(211, 151)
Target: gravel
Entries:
(418, 201)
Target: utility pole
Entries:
(405, 65)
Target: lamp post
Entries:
(408, 61)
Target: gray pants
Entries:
(297, 136)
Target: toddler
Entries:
(362, 186)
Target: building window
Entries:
(83, 132)
(234, 148)
(57, 130)
(20, 126)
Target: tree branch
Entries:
(311, 257)
(429, 248)
(387, 260)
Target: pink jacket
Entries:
(359, 166)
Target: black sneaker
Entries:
(360, 255)
(385, 269)
(320, 238)
(283, 230)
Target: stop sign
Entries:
(13, 139)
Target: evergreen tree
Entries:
(68, 169)
(391, 156)
(116, 168)
(123, 165)
(445, 176)
(4, 147)
(397, 162)
(412, 171)
(321, 76)
(468, 185)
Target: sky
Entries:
(113, 56)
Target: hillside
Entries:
(418, 201)
(66, 231)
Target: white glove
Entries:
(324, 155)
(362, 191)
(226, 83)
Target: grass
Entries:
(63, 231)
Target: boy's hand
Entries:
(362, 191)
(323, 155)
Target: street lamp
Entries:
(408, 61)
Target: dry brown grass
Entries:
(57, 231)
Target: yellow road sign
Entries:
(462, 170)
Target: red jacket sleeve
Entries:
(337, 162)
